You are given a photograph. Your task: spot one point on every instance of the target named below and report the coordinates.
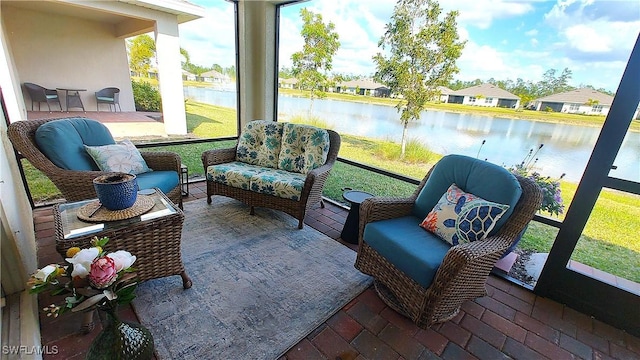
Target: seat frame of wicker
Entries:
(463, 272)
(38, 94)
(111, 93)
(73, 184)
(311, 191)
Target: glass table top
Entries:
(73, 227)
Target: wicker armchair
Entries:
(463, 272)
(311, 191)
(78, 185)
(39, 94)
(109, 96)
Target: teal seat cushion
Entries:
(62, 141)
(481, 178)
(165, 180)
(414, 251)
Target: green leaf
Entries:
(89, 302)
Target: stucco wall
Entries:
(62, 51)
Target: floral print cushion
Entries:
(259, 143)
(461, 217)
(284, 184)
(264, 180)
(236, 174)
(122, 157)
(304, 148)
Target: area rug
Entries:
(260, 285)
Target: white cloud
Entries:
(532, 32)
(586, 39)
(600, 30)
(482, 13)
(210, 40)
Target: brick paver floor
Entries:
(511, 322)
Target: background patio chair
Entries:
(76, 185)
(40, 94)
(110, 96)
(416, 272)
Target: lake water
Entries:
(567, 148)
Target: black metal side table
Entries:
(350, 229)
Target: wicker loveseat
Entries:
(72, 169)
(282, 166)
(416, 271)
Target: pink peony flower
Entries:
(103, 272)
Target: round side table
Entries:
(350, 229)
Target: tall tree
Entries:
(142, 49)
(185, 55)
(422, 49)
(311, 64)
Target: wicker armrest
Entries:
(382, 208)
(470, 264)
(218, 156)
(162, 160)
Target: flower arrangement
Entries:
(551, 193)
(92, 279)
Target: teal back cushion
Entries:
(481, 178)
(62, 141)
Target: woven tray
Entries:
(141, 206)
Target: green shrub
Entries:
(146, 96)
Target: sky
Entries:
(505, 40)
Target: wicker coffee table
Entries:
(153, 237)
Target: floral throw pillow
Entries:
(122, 157)
(461, 217)
(259, 143)
(304, 148)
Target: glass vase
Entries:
(121, 340)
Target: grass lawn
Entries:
(608, 241)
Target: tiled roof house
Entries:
(363, 87)
(484, 95)
(579, 101)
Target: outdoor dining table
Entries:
(73, 98)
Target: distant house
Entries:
(484, 95)
(290, 83)
(363, 87)
(580, 101)
(152, 73)
(188, 76)
(215, 77)
(444, 93)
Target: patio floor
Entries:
(509, 323)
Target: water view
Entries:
(567, 148)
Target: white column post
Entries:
(256, 27)
(170, 76)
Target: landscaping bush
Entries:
(146, 96)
